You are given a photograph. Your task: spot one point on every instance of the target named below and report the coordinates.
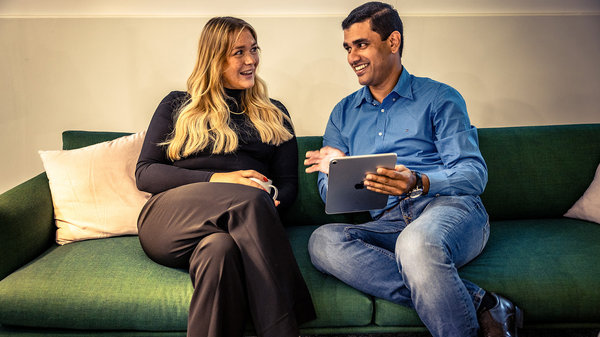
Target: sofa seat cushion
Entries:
(548, 267)
(96, 284)
(111, 284)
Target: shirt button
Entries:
(382, 110)
(381, 133)
(393, 99)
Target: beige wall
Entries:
(93, 69)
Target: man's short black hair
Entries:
(384, 19)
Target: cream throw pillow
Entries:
(93, 189)
(588, 206)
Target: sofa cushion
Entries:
(93, 189)
(542, 265)
(111, 284)
(537, 171)
(96, 284)
(588, 206)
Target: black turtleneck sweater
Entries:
(156, 173)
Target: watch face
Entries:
(416, 193)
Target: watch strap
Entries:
(418, 189)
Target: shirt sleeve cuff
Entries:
(438, 182)
(322, 182)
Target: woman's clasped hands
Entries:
(241, 177)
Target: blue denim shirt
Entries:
(424, 122)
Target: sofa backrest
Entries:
(538, 171)
(74, 139)
(534, 172)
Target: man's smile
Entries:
(360, 69)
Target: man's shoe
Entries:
(502, 320)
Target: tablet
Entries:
(346, 192)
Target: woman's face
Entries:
(241, 63)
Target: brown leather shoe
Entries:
(502, 320)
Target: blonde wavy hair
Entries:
(203, 121)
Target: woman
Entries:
(201, 150)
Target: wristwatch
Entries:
(417, 191)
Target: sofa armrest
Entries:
(26, 223)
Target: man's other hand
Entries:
(318, 160)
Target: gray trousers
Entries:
(238, 254)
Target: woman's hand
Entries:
(241, 177)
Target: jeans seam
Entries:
(373, 231)
(481, 209)
(478, 209)
(472, 320)
(379, 249)
(376, 248)
(485, 233)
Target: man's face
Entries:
(370, 58)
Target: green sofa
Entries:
(547, 264)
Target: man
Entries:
(434, 221)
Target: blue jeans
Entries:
(410, 256)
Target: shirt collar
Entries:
(403, 88)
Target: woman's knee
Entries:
(161, 248)
(247, 196)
